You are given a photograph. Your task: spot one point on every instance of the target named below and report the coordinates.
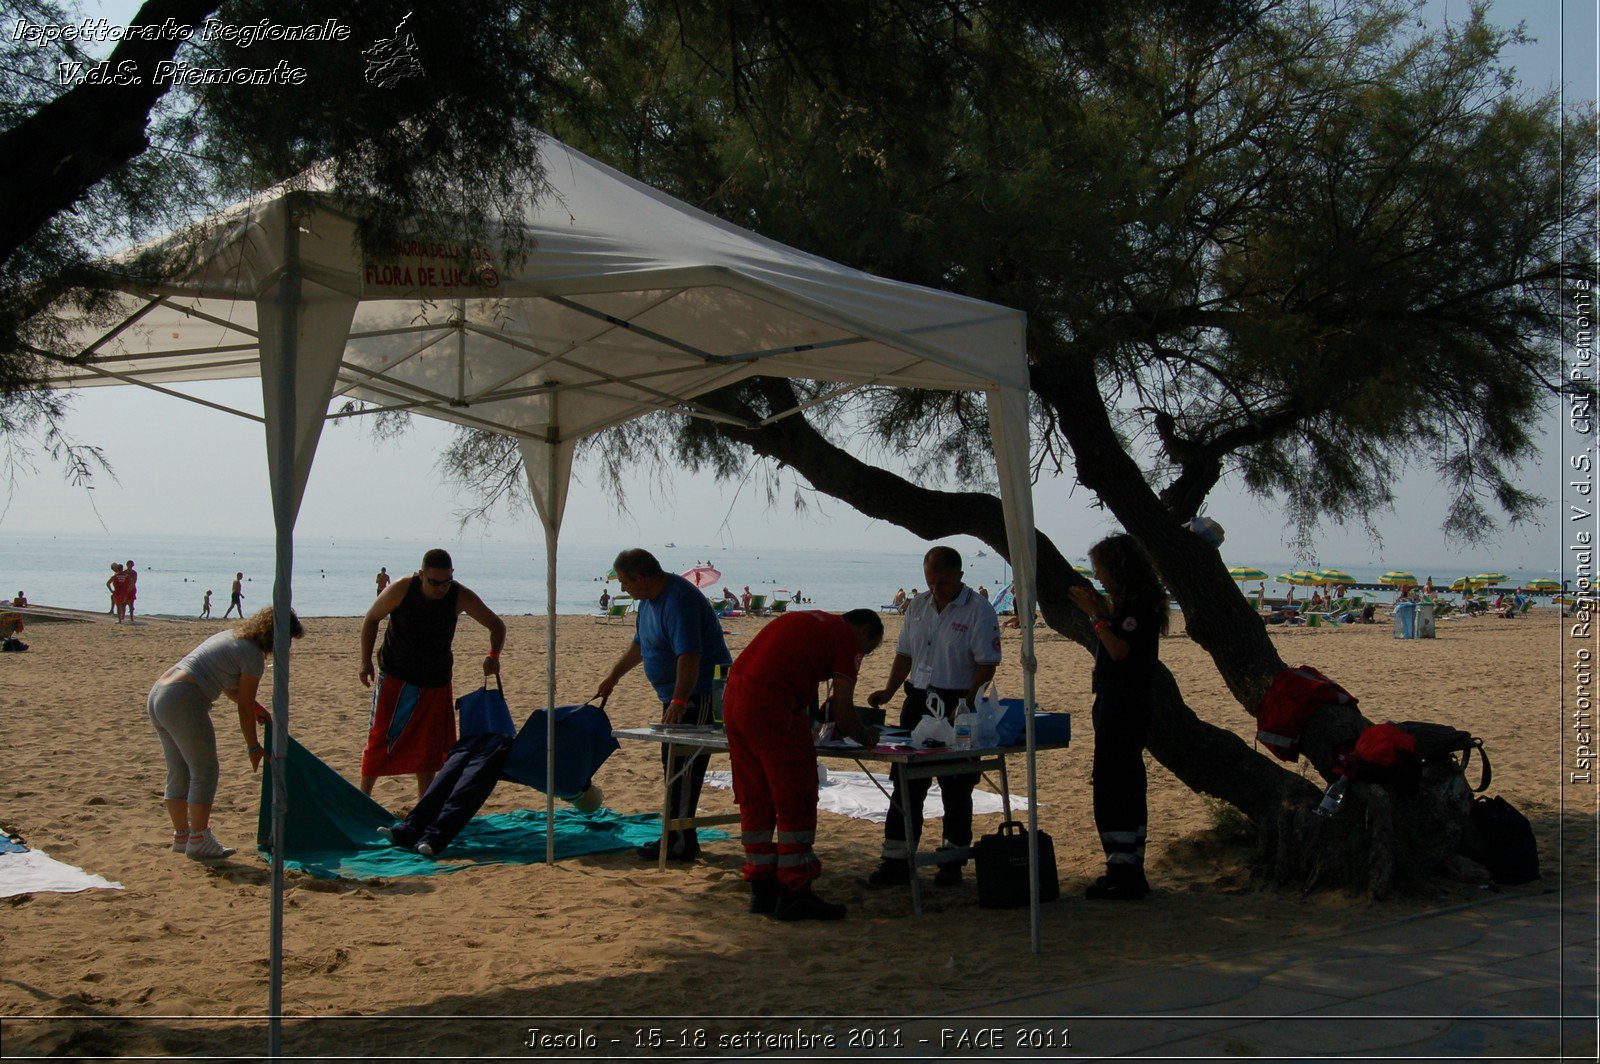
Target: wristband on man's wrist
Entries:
(492, 654)
(1101, 622)
(678, 702)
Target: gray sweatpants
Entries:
(181, 714)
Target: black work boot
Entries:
(764, 895)
(1120, 883)
(804, 905)
(891, 872)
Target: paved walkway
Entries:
(1513, 975)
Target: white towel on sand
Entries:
(35, 872)
(853, 794)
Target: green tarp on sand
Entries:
(332, 829)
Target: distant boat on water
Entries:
(670, 546)
(981, 554)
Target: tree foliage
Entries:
(88, 168)
(1299, 245)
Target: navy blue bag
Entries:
(484, 712)
(583, 742)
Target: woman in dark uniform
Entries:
(1129, 620)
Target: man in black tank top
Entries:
(413, 724)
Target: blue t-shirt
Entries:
(679, 621)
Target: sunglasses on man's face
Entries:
(446, 582)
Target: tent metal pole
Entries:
(1029, 667)
(283, 514)
(551, 532)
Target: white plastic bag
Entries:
(933, 729)
(986, 733)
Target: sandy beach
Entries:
(183, 948)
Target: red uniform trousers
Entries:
(774, 782)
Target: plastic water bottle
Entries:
(963, 725)
(1332, 798)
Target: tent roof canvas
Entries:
(629, 302)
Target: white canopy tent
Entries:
(629, 302)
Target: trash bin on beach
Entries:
(1405, 620)
(1425, 628)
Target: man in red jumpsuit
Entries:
(770, 687)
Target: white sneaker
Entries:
(203, 846)
(424, 849)
(180, 841)
(387, 833)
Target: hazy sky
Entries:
(184, 469)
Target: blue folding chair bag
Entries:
(583, 742)
(484, 712)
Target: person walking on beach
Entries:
(774, 757)
(413, 725)
(1129, 621)
(235, 597)
(679, 640)
(179, 706)
(131, 575)
(205, 607)
(949, 646)
(117, 584)
(383, 578)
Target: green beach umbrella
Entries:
(1334, 576)
(1542, 586)
(1465, 583)
(1490, 578)
(1299, 576)
(1398, 579)
(1247, 573)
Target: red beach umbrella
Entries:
(703, 576)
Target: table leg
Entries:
(911, 843)
(666, 809)
(1005, 787)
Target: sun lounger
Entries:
(617, 611)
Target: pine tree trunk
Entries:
(1375, 839)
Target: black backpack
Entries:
(1509, 851)
(1436, 742)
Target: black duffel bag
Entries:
(1002, 863)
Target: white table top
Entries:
(716, 739)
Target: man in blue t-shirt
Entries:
(679, 639)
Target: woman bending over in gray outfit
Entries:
(229, 663)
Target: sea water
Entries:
(335, 577)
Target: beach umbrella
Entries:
(702, 576)
(1465, 583)
(1246, 574)
(1398, 579)
(1490, 578)
(1334, 576)
(1300, 576)
(1085, 572)
(611, 574)
(1542, 586)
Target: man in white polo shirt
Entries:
(950, 644)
